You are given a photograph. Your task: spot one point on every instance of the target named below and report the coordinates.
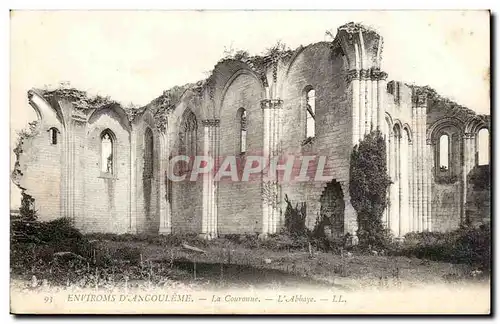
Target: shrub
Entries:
(295, 218)
(251, 241)
(328, 244)
(247, 240)
(27, 210)
(59, 230)
(294, 235)
(40, 240)
(285, 241)
(127, 253)
(24, 228)
(480, 177)
(331, 244)
(466, 245)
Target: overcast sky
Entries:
(133, 56)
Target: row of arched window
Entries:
(189, 129)
(106, 147)
(188, 138)
(189, 126)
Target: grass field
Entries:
(225, 264)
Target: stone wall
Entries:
(318, 67)
(478, 202)
(147, 182)
(240, 203)
(41, 162)
(352, 98)
(187, 196)
(106, 199)
(445, 207)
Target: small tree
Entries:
(295, 218)
(368, 187)
(27, 209)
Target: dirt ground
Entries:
(226, 264)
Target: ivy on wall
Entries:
(80, 99)
(369, 184)
(29, 132)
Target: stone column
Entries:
(77, 167)
(425, 169)
(419, 101)
(374, 109)
(133, 182)
(271, 189)
(68, 170)
(421, 170)
(415, 167)
(418, 169)
(210, 150)
(215, 194)
(380, 78)
(470, 151)
(353, 82)
(411, 223)
(429, 165)
(165, 208)
(362, 103)
(396, 186)
(388, 162)
(366, 75)
(69, 140)
(368, 101)
(64, 172)
(265, 152)
(469, 156)
(404, 214)
(66, 133)
(393, 205)
(361, 47)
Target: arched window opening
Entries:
(444, 144)
(53, 135)
(242, 121)
(310, 100)
(483, 143)
(107, 152)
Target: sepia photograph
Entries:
(250, 162)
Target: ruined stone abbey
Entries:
(104, 165)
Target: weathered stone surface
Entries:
(352, 98)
